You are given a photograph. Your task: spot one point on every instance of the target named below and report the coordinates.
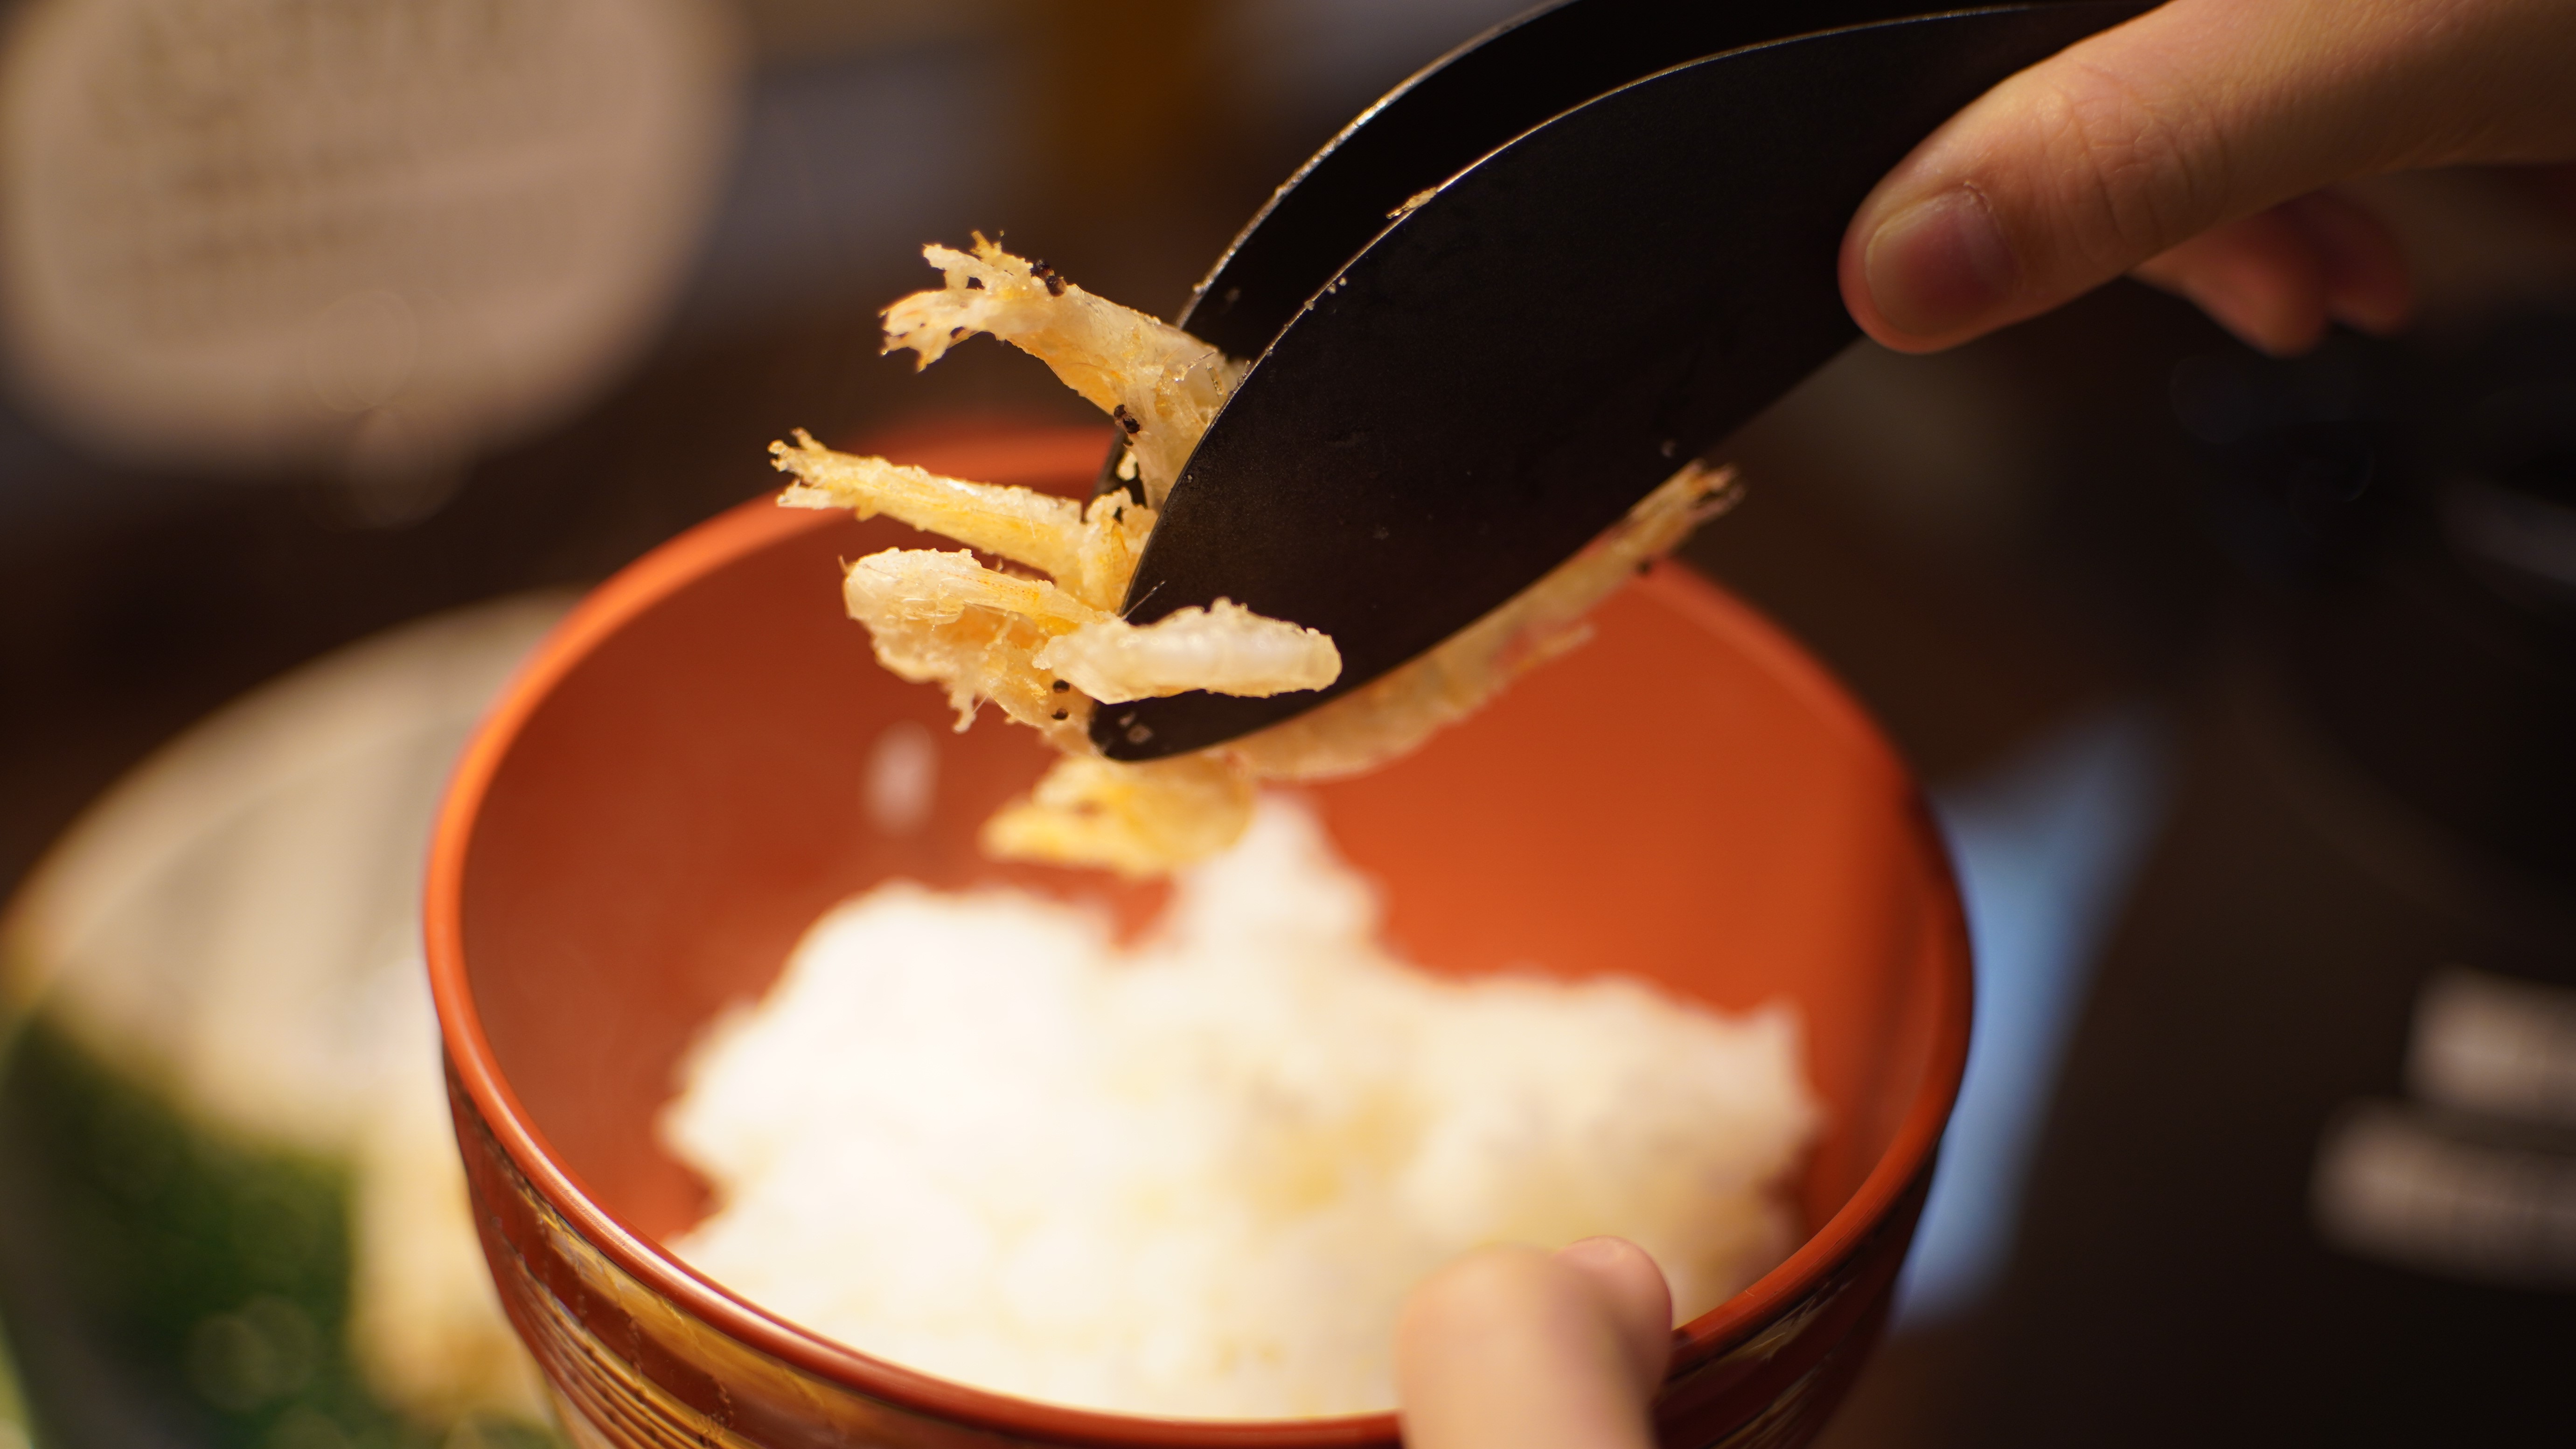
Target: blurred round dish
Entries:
(229, 1205)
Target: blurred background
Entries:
(2245, 689)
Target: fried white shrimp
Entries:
(1161, 384)
(1090, 550)
(1049, 650)
(1139, 820)
(945, 619)
(1224, 647)
(1044, 650)
(1392, 715)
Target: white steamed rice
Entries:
(974, 1135)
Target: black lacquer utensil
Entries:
(1523, 289)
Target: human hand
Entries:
(1513, 1348)
(2192, 147)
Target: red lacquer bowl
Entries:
(672, 791)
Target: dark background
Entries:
(1988, 545)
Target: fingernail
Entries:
(1940, 265)
(1593, 1252)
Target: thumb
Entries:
(1512, 1348)
(2194, 117)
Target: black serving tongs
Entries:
(1518, 292)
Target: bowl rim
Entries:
(758, 524)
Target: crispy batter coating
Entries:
(942, 618)
(1090, 550)
(1049, 650)
(1042, 649)
(1161, 383)
(1226, 648)
(1392, 715)
(1139, 820)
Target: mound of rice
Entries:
(975, 1135)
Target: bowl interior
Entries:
(1687, 798)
